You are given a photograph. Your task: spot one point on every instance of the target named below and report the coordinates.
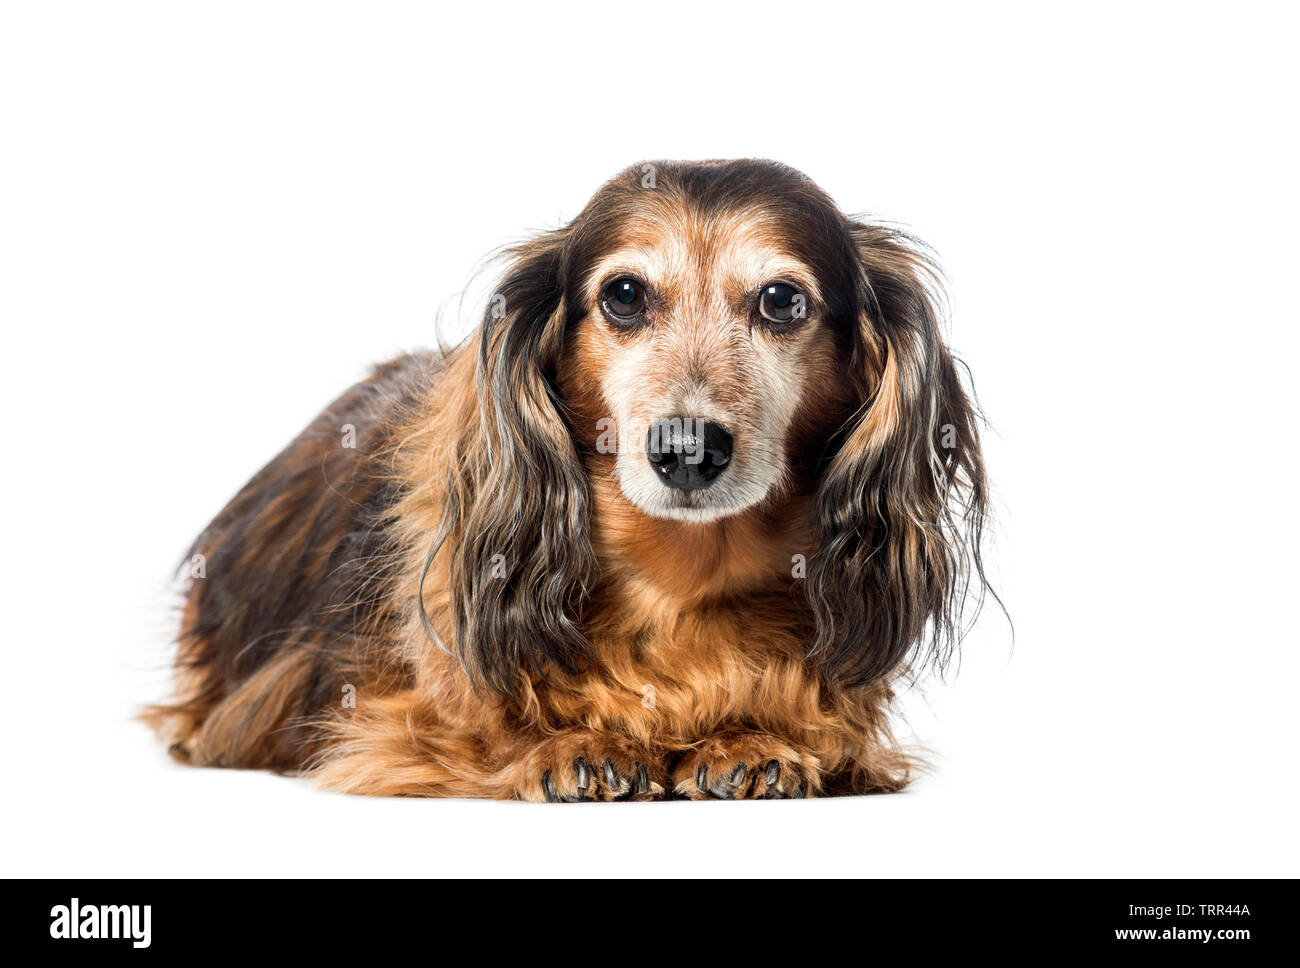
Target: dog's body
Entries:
(494, 593)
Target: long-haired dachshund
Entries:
(701, 487)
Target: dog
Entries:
(700, 490)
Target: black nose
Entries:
(688, 451)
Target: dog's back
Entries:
(288, 586)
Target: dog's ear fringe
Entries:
(516, 516)
(902, 508)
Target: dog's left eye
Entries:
(782, 303)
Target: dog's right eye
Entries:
(624, 300)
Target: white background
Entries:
(215, 217)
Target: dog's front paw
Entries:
(580, 765)
(746, 766)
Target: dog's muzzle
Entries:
(688, 452)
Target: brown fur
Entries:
(514, 627)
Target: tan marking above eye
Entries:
(682, 266)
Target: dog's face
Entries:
(702, 340)
(709, 343)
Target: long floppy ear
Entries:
(521, 558)
(901, 507)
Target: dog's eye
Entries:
(780, 303)
(624, 299)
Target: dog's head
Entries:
(719, 339)
(708, 334)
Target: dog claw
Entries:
(769, 779)
(599, 778)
